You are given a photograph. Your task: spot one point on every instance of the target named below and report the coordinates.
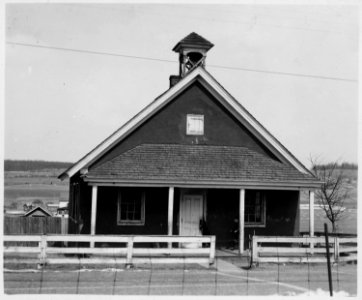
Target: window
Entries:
(131, 207)
(195, 125)
(255, 209)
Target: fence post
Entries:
(328, 261)
(42, 248)
(311, 245)
(336, 249)
(212, 250)
(129, 252)
(254, 252)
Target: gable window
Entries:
(131, 207)
(195, 125)
(255, 209)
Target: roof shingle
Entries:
(196, 163)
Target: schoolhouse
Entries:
(194, 161)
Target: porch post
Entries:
(93, 211)
(311, 213)
(170, 212)
(241, 219)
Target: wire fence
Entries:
(230, 274)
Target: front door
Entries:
(191, 212)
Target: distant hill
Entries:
(34, 165)
(344, 165)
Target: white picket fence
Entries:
(302, 249)
(108, 249)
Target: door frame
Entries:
(192, 192)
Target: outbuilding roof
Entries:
(43, 211)
(197, 163)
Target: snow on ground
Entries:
(319, 293)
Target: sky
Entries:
(74, 73)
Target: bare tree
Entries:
(333, 192)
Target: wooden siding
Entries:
(79, 205)
(36, 225)
(168, 126)
(222, 207)
(156, 210)
(281, 215)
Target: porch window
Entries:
(195, 125)
(131, 207)
(255, 209)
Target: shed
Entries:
(37, 211)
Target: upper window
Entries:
(255, 209)
(131, 207)
(195, 125)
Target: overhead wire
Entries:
(172, 61)
(89, 51)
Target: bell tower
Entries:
(192, 53)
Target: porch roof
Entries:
(197, 163)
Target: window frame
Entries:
(140, 222)
(262, 223)
(195, 117)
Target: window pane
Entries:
(254, 208)
(130, 205)
(195, 124)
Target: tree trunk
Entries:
(334, 227)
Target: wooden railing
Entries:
(108, 249)
(302, 249)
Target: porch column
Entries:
(170, 212)
(241, 219)
(93, 212)
(311, 213)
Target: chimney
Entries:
(174, 79)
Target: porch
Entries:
(194, 211)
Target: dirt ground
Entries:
(266, 279)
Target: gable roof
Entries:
(30, 212)
(197, 164)
(231, 104)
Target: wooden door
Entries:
(191, 212)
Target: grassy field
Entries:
(23, 187)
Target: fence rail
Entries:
(302, 249)
(44, 249)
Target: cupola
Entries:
(192, 53)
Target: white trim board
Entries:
(219, 93)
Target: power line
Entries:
(171, 61)
(284, 73)
(89, 52)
